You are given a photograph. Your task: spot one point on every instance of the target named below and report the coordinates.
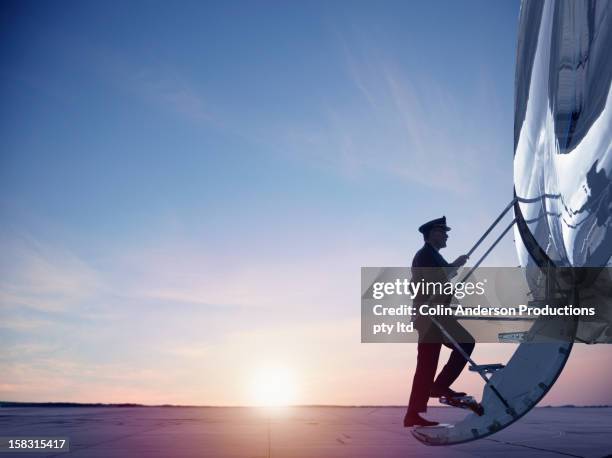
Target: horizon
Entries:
(60, 404)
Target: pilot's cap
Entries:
(429, 225)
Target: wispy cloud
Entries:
(158, 84)
(171, 91)
(43, 276)
(402, 123)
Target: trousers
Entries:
(430, 343)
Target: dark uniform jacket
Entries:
(430, 266)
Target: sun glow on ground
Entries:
(274, 387)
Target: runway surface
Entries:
(112, 432)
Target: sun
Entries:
(273, 387)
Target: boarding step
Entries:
(512, 337)
(487, 368)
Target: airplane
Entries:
(561, 204)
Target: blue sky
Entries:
(220, 113)
(180, 180)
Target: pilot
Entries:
(429, 265)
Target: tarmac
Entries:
(113, 432)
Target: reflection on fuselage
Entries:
(563, 128)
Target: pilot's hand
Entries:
(461, 260)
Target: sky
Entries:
(188, 191)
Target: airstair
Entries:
(510, 390)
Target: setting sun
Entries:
(273, 387)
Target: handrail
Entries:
(501, 215)
(482, 258)
(472, 363)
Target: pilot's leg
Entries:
(456, 362)
(428, 352)
(427, 363)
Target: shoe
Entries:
(414, 419)
(447, 393)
